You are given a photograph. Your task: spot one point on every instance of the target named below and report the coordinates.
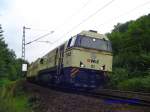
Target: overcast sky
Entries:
(65, 17)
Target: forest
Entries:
(131, 57)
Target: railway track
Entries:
(117, 96)
(110, 96)
(114, 96)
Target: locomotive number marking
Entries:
(93, 61)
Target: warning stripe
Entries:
(74, 73)
(73, 69)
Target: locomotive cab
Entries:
(88, 58)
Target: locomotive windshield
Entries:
(88, 42)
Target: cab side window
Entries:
(71, 42)
(41, 61)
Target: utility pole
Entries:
(23, 42)
(24, 65)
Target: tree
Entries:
(131, 41)
(10, 66)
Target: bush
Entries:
(136, 84)
(4, 81)
(13, 98)
(118, 75)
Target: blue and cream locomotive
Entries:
(81, 62)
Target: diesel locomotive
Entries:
(81, 62)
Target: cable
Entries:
(86, 19)
(40, 37)
(45, 42)
(58, 26)
(38, 29)
(74, 14)
(126, 13)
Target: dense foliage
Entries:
(12, 98)
(131, 48)
(10, 66)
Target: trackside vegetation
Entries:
(13, 98)
(10, 71)
(10, 66)
(131, 50)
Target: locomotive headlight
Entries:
(94, 40)
(102, 67)
(81, 64)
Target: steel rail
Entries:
(132, 98)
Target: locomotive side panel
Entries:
(46, 62)
(33, 69)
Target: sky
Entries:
(65, 18)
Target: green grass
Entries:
(4, 81)
(20, 104)
(13, 98)
(14, 104)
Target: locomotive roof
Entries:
(93, 34)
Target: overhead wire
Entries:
(91, 17)
(39, 29)
(86, 19)
(141, 5)
(126, 13)
(45, 42)
(74, 14)
(39, 37)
